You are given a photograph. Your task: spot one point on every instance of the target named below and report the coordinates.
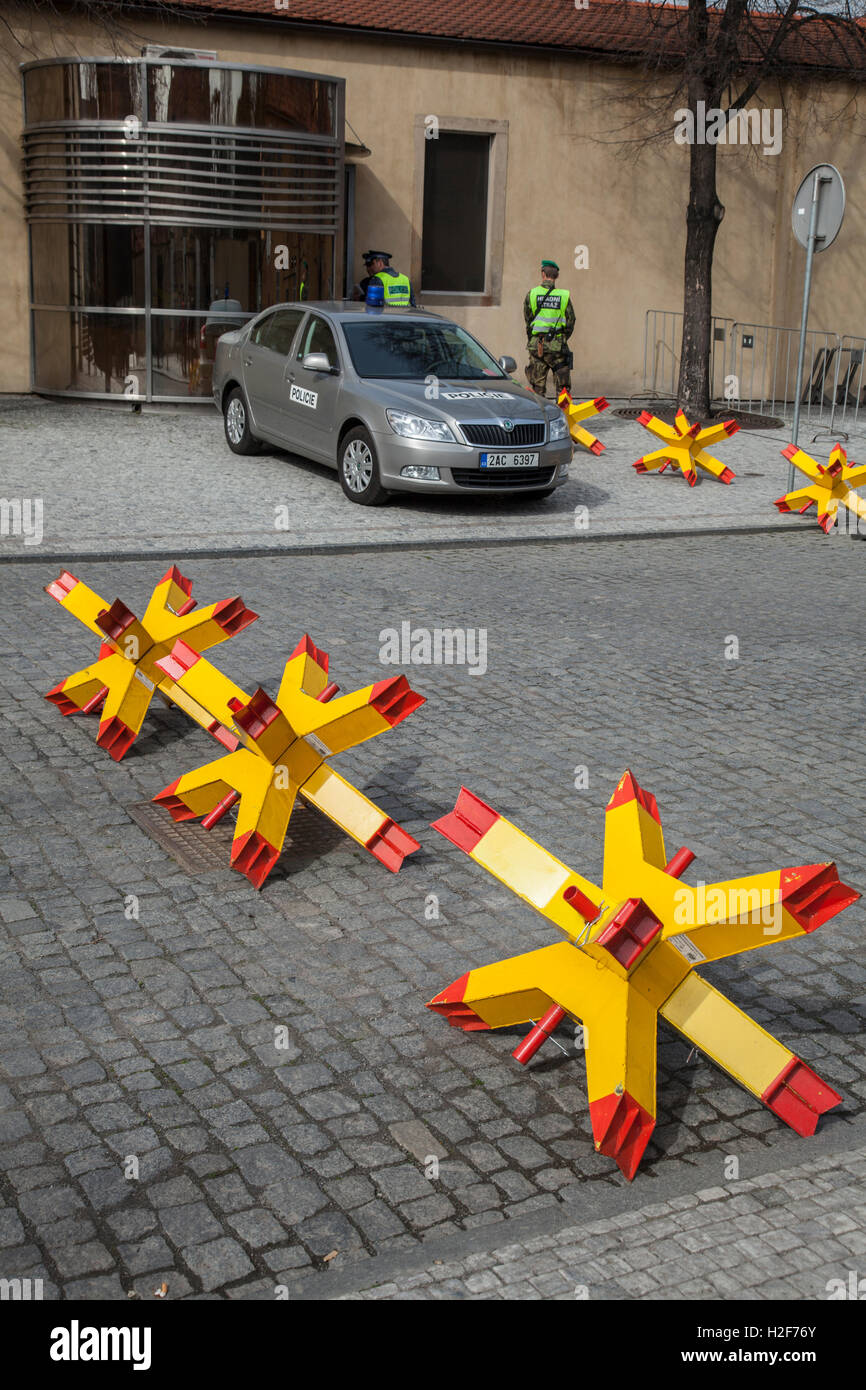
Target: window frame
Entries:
(268, 324)
(494, 249)
(308, 325)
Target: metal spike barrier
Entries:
(275, 750)
(629, 962)
(685, 447)
(829, 488)
(575, 413)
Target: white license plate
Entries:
(508, 461)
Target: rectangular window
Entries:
(454, 245)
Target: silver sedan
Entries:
(394, 399)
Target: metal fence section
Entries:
(851, 388)
(761, 369)
(753, 367)
(663, 335)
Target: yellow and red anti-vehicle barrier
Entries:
(286, 742)
(275, 750)
(127, 674)
(829, 488)
(630, 955)
(685, 446)
(575, 413)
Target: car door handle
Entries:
(288, 376)
(248, 361)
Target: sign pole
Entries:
(823, 192)
(807, 290)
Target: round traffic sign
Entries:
(831, 206)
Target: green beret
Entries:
(552, 264)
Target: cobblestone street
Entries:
(152, 1037)
(278, 502)
(793, 1233)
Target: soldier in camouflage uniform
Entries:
(550, 323)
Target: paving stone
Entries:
(151, 1253)
(416, 1138)
(328, 1231)
(428, 1211)
(401, 1183)
(189, 1224)
(173, 1193)
(293, 1201)
(264, 1164)
(217, 1262)
(256, 1228)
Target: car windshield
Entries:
(409, 351)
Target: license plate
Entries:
(508, 461)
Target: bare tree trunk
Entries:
(705, 212)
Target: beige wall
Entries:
(567, 185)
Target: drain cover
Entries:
(206, 853)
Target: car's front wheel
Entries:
(236, 418)
(359, 469)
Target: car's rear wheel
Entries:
(236, 418)
(359, 469)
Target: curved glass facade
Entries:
(168, 201)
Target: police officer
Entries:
(397, 287)
(550, 323)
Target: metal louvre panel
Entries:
(80, 173)
(522, 434)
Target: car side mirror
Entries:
(317, 362)
(508, 364)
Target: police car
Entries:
(395, 399)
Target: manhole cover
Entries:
(205, 853)
(744, 418)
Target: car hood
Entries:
(457, 400)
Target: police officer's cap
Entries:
(375, 256)
(551, 264)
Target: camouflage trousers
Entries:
(554, 359)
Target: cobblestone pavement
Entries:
(69, 454)
(793, 1233)
(152, 1038)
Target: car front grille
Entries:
(495, 436)
(502, 477)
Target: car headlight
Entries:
(558, 428)
(416, 427)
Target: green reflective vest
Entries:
(548, 309)
(398, 288)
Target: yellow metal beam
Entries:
(631, 955)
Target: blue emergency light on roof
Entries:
(376, 294)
